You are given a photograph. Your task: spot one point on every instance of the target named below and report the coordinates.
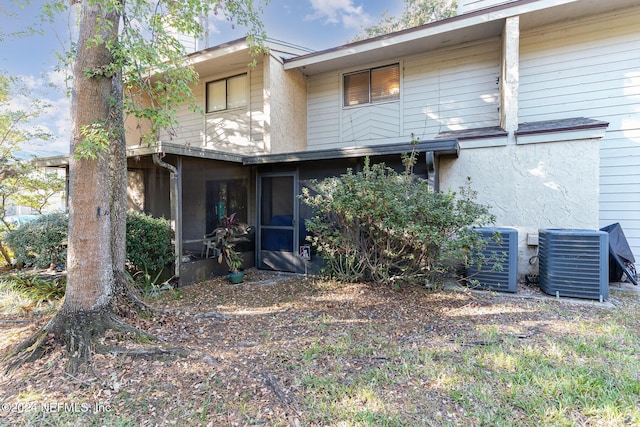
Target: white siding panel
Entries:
(580, 68)
(449, 89)
(371, 122)
(591, 68)
(452, 89)
(323, 110)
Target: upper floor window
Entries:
(227, 94)
(373, 85)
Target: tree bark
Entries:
(90, 276)
(125, 301)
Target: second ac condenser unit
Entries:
(499, 270)
(574, 263)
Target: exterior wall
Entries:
(452, 89)
(323, 111)
(135, 129)
(531, 186)
(286, 109)
(371, 122)
(449, 89)
(236, 131)
(465, 6)
(590, 68)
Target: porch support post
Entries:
(510, 76)
(176, 202)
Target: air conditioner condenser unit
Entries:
(574, 263)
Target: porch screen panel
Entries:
(225, 197)
(276, 213)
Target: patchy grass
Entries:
(285, 350)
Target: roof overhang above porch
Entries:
(182, 150)
(438, 147)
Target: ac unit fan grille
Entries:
(574, 263)
(500, 272)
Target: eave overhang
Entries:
(438, 147)
(182, 150)
(469, 27)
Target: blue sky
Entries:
(315, 24)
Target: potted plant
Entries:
(228, 253)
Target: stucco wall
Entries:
(287, 109)
(533, 186)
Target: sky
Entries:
(314, 24)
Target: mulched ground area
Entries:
(246, 348)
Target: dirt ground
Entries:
(247, 352)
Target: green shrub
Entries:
(44, 241)
(39, 288)
(41, 242)
(149, 247)
(384, 226)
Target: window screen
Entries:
(356, 88)
(237, 91)
(227, 93)
(216, 95)
(385, 83)
(374, 85)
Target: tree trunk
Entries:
(90, 275)
(118, 185)
(5, 254)
(125, 301)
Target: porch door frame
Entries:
(278, 260)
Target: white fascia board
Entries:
(498, 141)
(561, 136)
(218, 52)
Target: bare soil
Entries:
(250, 351)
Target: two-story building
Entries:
(537, 101)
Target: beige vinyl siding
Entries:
(188, 131)
(452, 89)
(236, 130)
(258, 120)
(591, 68)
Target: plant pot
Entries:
(236, 277)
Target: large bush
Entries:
(44, 241)
(41, 242)
(149, 247)
(384, 226)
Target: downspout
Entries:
(432, 161)
(176, 220)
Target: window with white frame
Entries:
(227, 94)
(373, 85)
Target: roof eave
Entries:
(469, 27)
(439, 147)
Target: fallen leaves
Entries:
(255, 353)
